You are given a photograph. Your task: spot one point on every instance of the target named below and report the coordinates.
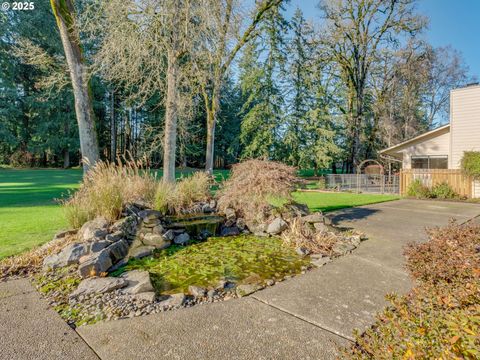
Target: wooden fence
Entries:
(460, 183)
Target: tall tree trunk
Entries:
(66, 158)
(212, 111)
(64, 14)
(170, 137)
(113, 130)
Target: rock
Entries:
(270, 282)
(321, 227)
(118, 250)
(99, 245)
(63, 234)
(230, 213)
(204, 234)
(225, 284)
(140, 204)
(174, 300)
(206, 209)
(169, 235)
(197, 291)
(256, 228)
(229, 231)
(230, 222)
(212, 293)
(148, 215)
(181, 239)
(213, 204)
(342, 248)
(98, 285)
(155, 240)
(302, 251)
(93, 230)
(127, 225)
(145, 296)
(247, 289)
(113, 237)
(140, 252)
(327, 220)
(152, 223)
(298, 209)
(319, 260)
(158, 230)
(71, 254)
(137, 282)
(95, 264)
(355, 240)
(261, 234)
(241, 224)
(277, 226)
(313, 218)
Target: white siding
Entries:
(464, 123)
(437, 145)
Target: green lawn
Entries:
(29, 215)
(328, 201)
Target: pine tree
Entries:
(263, 111)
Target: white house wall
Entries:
(435, 146)
(464, 123)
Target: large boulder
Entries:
(277, 226)
(70, 254)
(98, 285)
(137, 282)
(95, 264)
(118, 250)
(158, 241)
(93, 230)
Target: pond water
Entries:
(242, 259)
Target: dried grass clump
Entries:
(300, 235)
(32, 261)
(253, 183)
(107, 188)
(173, 198)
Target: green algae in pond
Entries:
(195, 224)
(237, 258)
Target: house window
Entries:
(429, 162)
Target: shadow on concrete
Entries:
(352, 214)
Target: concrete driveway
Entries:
(306, 317)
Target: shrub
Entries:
(253, 183)
(440, 317)
(192, 189)
(470, 163)
(443, 191)
(173, 198)
(298, 235)
(164, 197)
(106, 189)
(418, 190)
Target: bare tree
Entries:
(355, 32)
(143, 48)
(225, 32)
(64, 12)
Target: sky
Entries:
(452, 22)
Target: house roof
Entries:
(428, 134)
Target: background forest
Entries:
(321, 95)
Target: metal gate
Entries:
(368, 183)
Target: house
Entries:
(443, 147)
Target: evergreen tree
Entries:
(263, 111)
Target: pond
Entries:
(242, 259)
